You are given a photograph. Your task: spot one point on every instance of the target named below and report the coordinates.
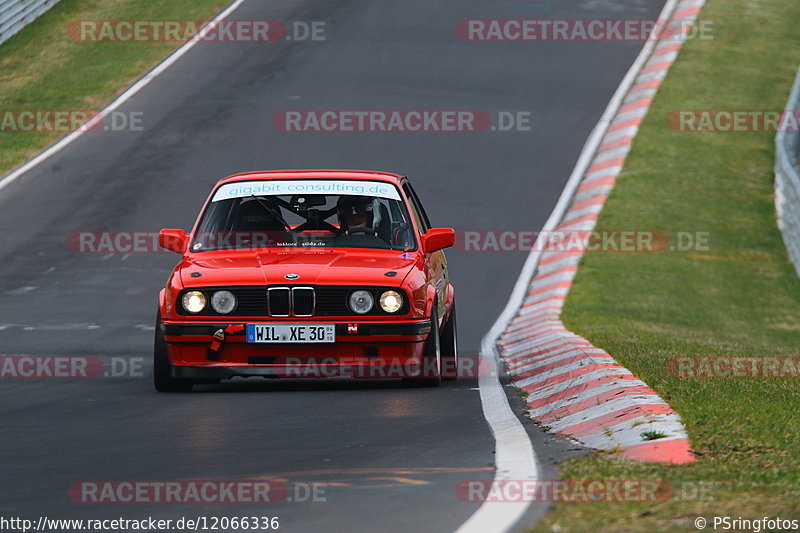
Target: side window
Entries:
(419, 212)
(414, 212)
(421, 209)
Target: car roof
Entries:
(368, 175)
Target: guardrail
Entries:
(16, 14)
(787, 181)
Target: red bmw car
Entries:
(313, 273)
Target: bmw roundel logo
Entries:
(291, 276)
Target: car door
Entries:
(436, 262)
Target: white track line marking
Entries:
(515, 456)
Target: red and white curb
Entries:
(576, 389)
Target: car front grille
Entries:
(303, 301)
(279, 301)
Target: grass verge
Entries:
(42, 68)
(740, 298)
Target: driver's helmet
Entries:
(358, 213)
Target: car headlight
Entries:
(223, 302)
(194, 301)
(361, 302)
(391, 301)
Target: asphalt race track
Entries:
(389, 457)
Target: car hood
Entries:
(329, 267)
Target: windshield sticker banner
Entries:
(291, 187)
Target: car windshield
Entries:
(244, 215)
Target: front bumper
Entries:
(408, 330)
(362, 349)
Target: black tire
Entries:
(431, 358)
(162, 380)
(449, 347)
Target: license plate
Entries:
(291, 333)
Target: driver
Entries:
(357, 214)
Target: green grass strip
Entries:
(740, 298)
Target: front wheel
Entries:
(162, 380)
(431, 358)
(450, 347)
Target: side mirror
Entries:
(437, 239)
(174, 240)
